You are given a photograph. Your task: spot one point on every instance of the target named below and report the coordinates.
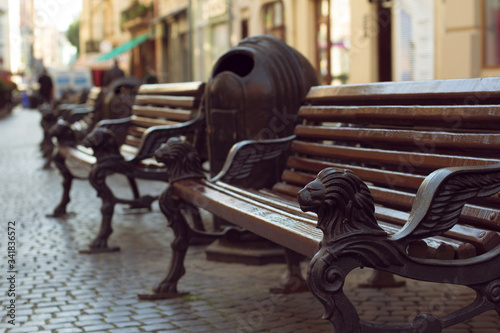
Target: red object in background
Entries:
(97, 76)
(5, 75)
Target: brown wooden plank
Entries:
(161, 112)
(148, 122)
(194, 88)
(132, 141)
(481, 240)
(481, 217)
(136, 131)
(286, 189)
(463, 91)
(93, 93)
(454, 116)
(404, 160)
(128, 151)
(297, 178)
(425, 141)
(172, 101)
(437, 247)
(392, 178)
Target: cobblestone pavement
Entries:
(59, 290)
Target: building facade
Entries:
(4, 37)
(347, 41)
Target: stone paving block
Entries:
(126, 330)
(23, 329)
(117, 320)
(70, 330)
(59, 320)
(127, 323)
(159, 327)
(148, 317)
(63, 314)
(96, 327)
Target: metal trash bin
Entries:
(254, 92)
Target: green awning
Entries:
(124, 47)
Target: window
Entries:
(491, 31)
(333, 40)
(274, 20)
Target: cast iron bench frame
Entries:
(415, 235)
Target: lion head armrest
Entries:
(104, 144)
(180, 158)
(63, 132)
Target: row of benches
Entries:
(421, 156)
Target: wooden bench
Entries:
(111, 102)
(126, 146)
(403, 171)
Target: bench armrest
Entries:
(244, 155)
(78, 113)
(155, 136)
(115, 124)
(442, 196)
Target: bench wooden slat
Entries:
(395, 179)
(149, 122)
(445, 116)
(481, 217)
(172, 101)
(414, 138)
(464, 92)
(162, 112)
(194, 88)
(136, 131)
(128, 151)
(383, 157)
(132, 141)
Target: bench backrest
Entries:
(162, 104)
(87, 122)
(392, 135)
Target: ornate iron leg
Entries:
(169, 205)
(98, 181)
(60, 210)
(133, 186)
(172, 206)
